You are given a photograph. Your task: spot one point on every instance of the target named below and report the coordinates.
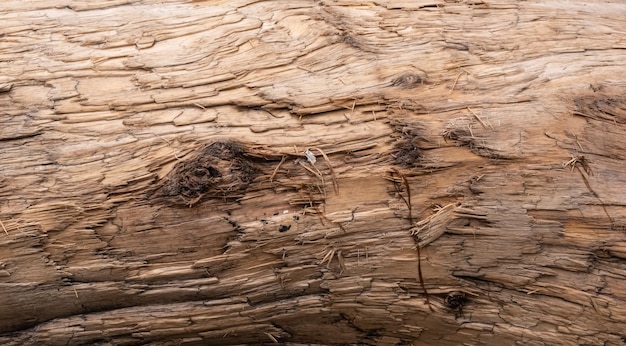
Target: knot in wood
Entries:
(407, 153)
(455, 300)
(407, 80)
(406, 150)
(217, 170)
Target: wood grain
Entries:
(120, 227)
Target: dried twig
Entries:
(328, 257)
(479, 119)
(330, 254)
(407, 201)
(315, 171)
(277, 167)
(457, 80)
(269, 335)
(330, 168)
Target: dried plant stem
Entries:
(457, 80)
(330, 167)
(277, 168)
(407, 201)
(478, 118)
(269, 335)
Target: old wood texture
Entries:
(232, 172)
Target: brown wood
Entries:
(232, 172)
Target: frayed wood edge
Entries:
(431, 228)
(328, 258)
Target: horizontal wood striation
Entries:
(121, 225)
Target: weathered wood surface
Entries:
(155, 188)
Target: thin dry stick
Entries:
(330, 167)
(478, 118)
(169, 144)
(328, 257)
(269, 335)
(321, 176)
(315, 172)
(457, 80)
(277, 167)
(407, 201)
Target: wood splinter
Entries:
(4, 228)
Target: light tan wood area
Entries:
(249, 172)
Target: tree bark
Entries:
(243, 172)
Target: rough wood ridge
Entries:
(231, 172)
